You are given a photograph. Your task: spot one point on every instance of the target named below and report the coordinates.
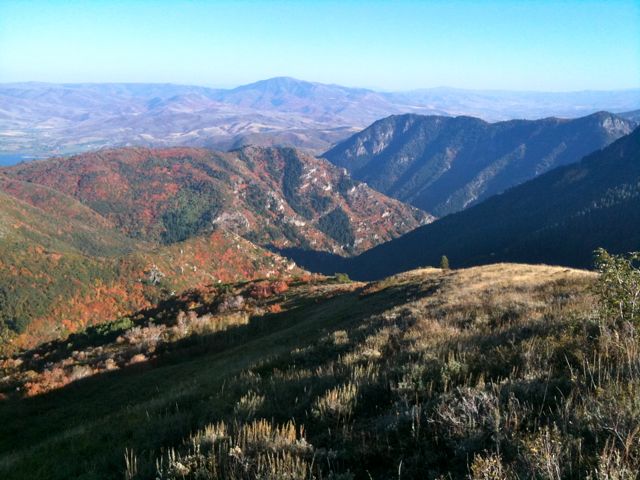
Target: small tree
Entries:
(444, 263)
(342, 278)
(618, 286)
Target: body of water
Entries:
(8, 159)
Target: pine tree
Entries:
(444, 263)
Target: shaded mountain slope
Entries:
(444, 164)
(272, 196)
(557, 218)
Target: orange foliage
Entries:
(275, 308)
(262, 290)
(104, 303)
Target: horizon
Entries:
(331, 84)
(498, 45)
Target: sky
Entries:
(387, 45)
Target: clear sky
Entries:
(392, 45)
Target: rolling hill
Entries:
(560, 218)
(272, 196)
(47, 119)
(445, 164)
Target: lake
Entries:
(7, 159)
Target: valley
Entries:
(444, 165)
(558, 218)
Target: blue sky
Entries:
(399, 45)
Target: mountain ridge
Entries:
(272, 196)
(444, 164)
(63, 267)
(560, 217)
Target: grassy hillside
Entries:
(489, 372)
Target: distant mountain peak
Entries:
(43, 119)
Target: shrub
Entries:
(489, 467)
(264, 290)
(342, 278)
(618, 287)
(337, 403)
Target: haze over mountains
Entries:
(445, 164)
(44, 119)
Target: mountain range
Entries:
(445, 164)
(559, 218)
(64, 267)
(41, 119)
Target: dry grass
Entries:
(253, 450)
(502, 371)
(484, 373)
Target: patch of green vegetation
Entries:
(336, 225)
(345, 184)
(292, 234)
(619, 287)
(257, 199)
(342, 278)
(44, 281)
(191, 212)
(319, 202)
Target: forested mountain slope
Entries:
(63, 266)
